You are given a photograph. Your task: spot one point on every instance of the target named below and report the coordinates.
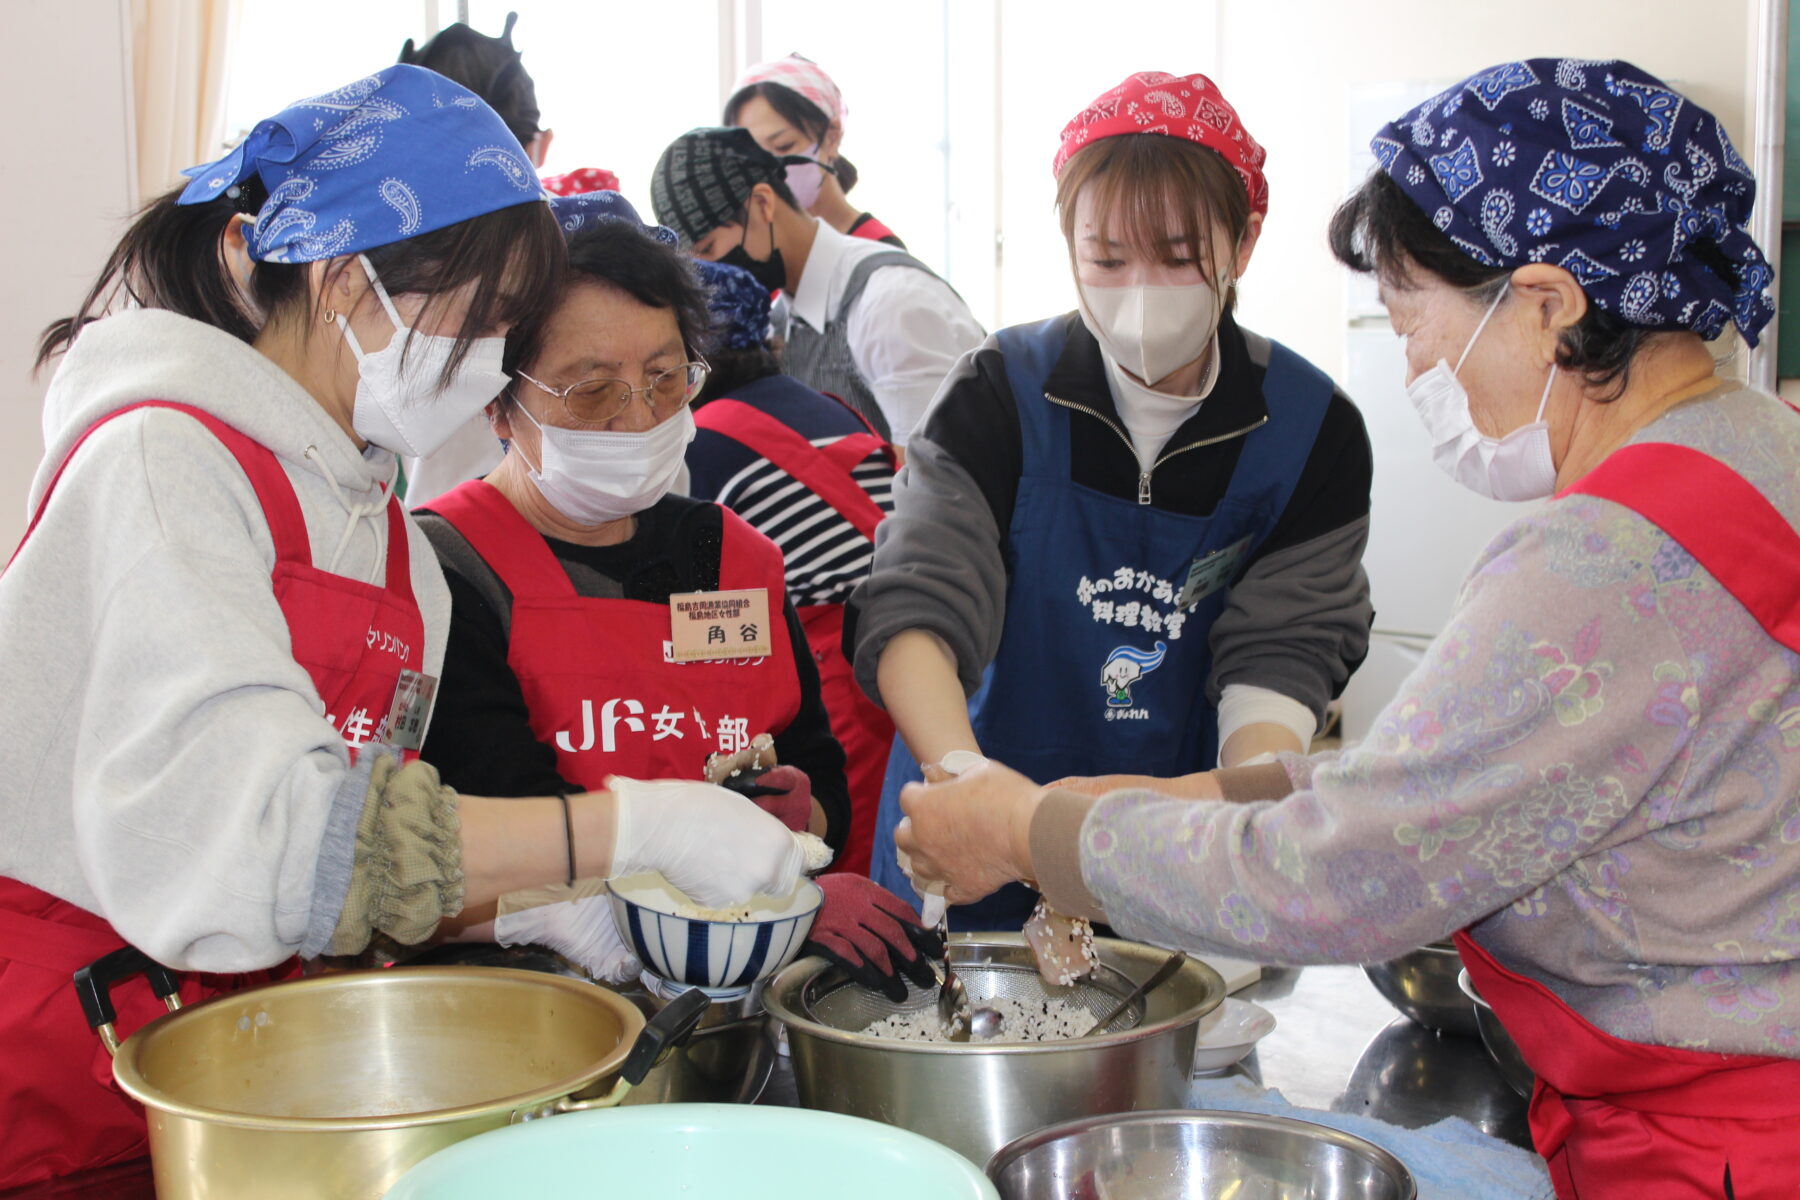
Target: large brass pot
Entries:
(333, 1086)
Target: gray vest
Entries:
(822, 361)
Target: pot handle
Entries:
(667, 1030)
(94, 982)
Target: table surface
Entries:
(1337, 1045)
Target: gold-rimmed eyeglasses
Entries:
(598, 401)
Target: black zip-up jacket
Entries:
(1298, 618)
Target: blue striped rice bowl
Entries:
(711, 954)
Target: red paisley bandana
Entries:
(580, 182)
(1190, 107)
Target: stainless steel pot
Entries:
(335, 1085)
(1197, 1156)
(1422, 985)
(1500, 1045)
(976, 1097)
(727, 1060)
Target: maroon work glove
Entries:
(785, 793)
(874, 935)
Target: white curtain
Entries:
(179, 55)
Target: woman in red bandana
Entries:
(1133, 533)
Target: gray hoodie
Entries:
(164, 761)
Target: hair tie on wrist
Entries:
(568, 833)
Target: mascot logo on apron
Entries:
(1124, 667)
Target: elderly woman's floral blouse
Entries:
(1597, 765)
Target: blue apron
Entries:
(1101, 668)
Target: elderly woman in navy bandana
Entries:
(1593, 779)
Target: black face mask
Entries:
(771, 272)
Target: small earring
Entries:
(330, 317)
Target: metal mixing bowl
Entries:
(975, 1097)
(1186, 1155)
(1422, 985)
(1500, 1046)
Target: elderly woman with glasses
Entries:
(605, 625)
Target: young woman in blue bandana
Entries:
(220, 636)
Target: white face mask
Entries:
(805, 179)
(401, 403)
(1515, 467)
(592, 476)
(1152, 331)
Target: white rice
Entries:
(693, 912)
(814, 853)
(815, 856)
(1020, 1021)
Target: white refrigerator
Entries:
(1424, 528)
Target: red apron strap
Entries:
(748, 559)
(887, 447)
(1729, 527)
(274, 490)
(824, 473)
(506, 542)
(399, 555)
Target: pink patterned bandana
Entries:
(800, 75)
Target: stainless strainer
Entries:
(841, 1004)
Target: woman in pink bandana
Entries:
(792, 107)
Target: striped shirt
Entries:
(826, 555)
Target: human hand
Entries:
(713, 845)
(874, 935)
(580, 928)
(972, 834)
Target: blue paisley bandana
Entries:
(401, 153)
(739, 305)
(1598, 168)
(585, 209)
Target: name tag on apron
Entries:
(719, 625)
(411, 710)
(1211, 572)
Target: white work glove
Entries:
(576, 921)
(713, 845)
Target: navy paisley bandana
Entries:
(586, 209)
(1598, 168)
(739, 305)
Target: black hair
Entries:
(733, 369)
(625, 255)
(797, 111)
(1379, 230)
(487, 66)
(172, 258)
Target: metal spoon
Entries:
(961, 1021)
(1157, 978)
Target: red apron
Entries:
(861, 726)
(59, 1108)
(595, 674)
(1619, 1120)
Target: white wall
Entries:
(65, 192)
(1289, 65)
